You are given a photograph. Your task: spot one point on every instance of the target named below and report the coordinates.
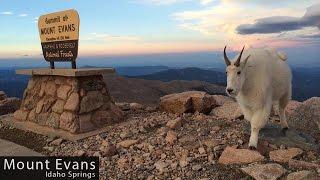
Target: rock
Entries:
(215, 128)
(136, 106)
(39, 106)
(127, 143)
(56, 142)
(32, 116)
(183, 163)
(201, 150)
(229, 110)
(63, 92)
(48, 148)
(239, 156)
(107, 149)
(92, 101)
(175, 124)
(124, 106)
(122, 163)
(210, 143)
(53, 120)
(67, 122)
(264, 171)
(196, 167)
(285, 155)
(190, 101)
(79, 153)
(303, 175)
(72, 103)
(50, 88)
(96, 154)
(20, 115)
(306, 117)
(58, 106)
(160, 166)
(302, 164)
(171, 137)
(292, 106)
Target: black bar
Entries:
(73, 64)
(51, 64)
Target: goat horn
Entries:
(237, 63)
(226, 59)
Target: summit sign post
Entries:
(59, 34)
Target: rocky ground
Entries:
(154, 144)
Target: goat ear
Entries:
(245, 61)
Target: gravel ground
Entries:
(143, 147)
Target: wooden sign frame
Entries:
(59, 35)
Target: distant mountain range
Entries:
(143, 91)
(148, 83)
(188, 74)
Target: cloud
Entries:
(278, 24)
(205, 2)
(169, 2)
(7, 13)
(23, 15)
(109, 37)
(162, 2)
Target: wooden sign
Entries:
(59, 34)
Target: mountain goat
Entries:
(262, 78)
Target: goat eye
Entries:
(226, 72)
(239, 72)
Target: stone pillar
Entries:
(74, 100)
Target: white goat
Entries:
(258, 81)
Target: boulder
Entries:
(186, 102)
(306, 117)
(229, 110)
(265, 171)
(239, 156)
(284, 155)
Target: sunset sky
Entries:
(125, 27)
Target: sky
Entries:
(137, 27)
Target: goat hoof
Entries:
(284, 131)
(252, 148)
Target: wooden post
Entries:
(73, 64)
(51, 64)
